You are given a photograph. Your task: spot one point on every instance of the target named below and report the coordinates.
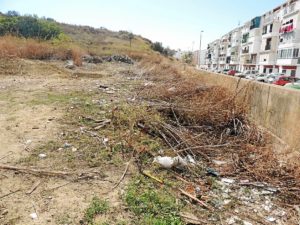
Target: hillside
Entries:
(90, 136)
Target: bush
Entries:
(28, 26)
(158, 47)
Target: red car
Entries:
(283, 80)
(231, 72)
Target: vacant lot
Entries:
(77, 146)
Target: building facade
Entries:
(267, 43)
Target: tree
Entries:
(157, 46)
(12, 13)
(130, 37)
(187, 57)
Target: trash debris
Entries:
(70, 65)
(212, 172)
(189, 218)
(227, 181)
(42, 156)
(33, 216)
(67, 145)
(219, 163)
(74, 149)
(105, 141)
(172, 89)
(171, 162)
(271, 219)
(28, 142)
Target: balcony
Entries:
(245, 51)
(267, 47)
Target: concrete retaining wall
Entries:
(275, 108)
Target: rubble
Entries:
(118, 58)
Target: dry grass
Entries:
(13, 47)
(211, 123)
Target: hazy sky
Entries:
(176, 23)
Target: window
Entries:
(289, 53)
(296, 53)
(265, 70)
(265, 28)
(271, 28)
(245, 38)
(293, 73)
(268, 44)
(284, 71)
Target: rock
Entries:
(92, 59)
(118, 58)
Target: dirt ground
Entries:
(45, 124)
(29, 119)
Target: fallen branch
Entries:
(31, 170)
(123, 175)
(33, 187)
(3, 157)
(3, 196)
(147, 173)
(195, 199)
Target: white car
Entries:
(251, 77)
(272, 77)
(262, 78)
(248, 73)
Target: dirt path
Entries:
(33, 103)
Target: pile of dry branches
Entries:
(211, 123)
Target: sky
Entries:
(175, 23)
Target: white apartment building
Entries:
(251, 42)
(233, 49)
(270, 40)
(212, 55)
(267, 43)
(223, 45)
(289, 39)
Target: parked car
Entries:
(232, 72)
(269, 78)
(283, 80)
(262, 78)
(246, 73)
(251, 76)
(294, 85)
(225, 71)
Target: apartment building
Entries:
(267, 43)
(233, 49)
(212, 55)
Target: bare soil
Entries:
(28, 119)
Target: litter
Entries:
(227, 181)
(42, 156)
(170, 162)
(33, 216)
(212, 172)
